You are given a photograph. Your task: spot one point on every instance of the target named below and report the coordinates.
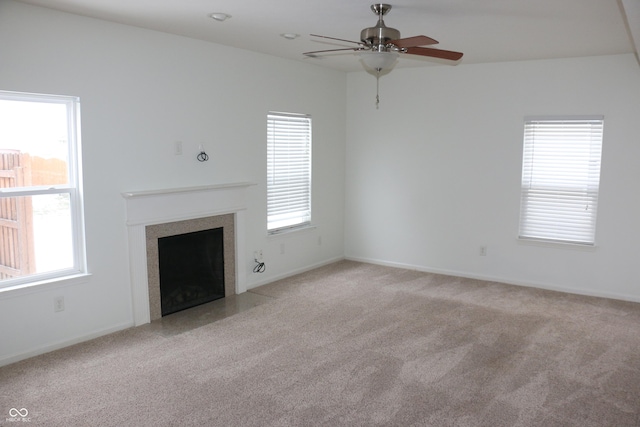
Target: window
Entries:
(560, 179)
(41, 223)
(288, 171)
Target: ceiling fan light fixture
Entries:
(219, 16)
(379, 60)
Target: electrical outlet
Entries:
(257, 255)
(483, 251)
(178, 148)
(58, 304)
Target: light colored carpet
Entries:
(354, 344)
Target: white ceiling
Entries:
(486, 31)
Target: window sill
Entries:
(557, 244)
(43, 285)
(293, 230)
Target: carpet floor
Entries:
(353, 344)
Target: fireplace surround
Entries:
(156, 213)
(178, 228)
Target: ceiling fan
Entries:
(380, 46)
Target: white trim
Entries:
(504, 280)
(289, 171)
(43, 285)
(176, 204)
(560, 178)
(557, 244)
(16, 357)
(74, 190)
(157, 192)
(295, 272)
(280, 232)
(563, 118)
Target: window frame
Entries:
(561, 181)
(73, 189)
(296, 214)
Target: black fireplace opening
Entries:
(191, 269)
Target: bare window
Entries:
(41, 223)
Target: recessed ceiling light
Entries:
(220, 16)
(290, 36)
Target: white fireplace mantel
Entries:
(169, 205)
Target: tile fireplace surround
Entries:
(202, 204)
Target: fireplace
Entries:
(197, 239)
(191, 269)
(156, 214)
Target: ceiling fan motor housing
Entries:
(377, 37)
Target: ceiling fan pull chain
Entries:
(377, 89)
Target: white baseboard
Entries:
(13, 358)
(293, 272)
(505, 280)
(7, 360)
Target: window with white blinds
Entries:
(288, 171)
(560, 179)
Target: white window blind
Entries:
(288, 171)
(560, 179)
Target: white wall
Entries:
(140, 92)
(435, 172)
(430, 176)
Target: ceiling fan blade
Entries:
(414, 41)
(333, 38)
(435, 53)
(330, 50)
